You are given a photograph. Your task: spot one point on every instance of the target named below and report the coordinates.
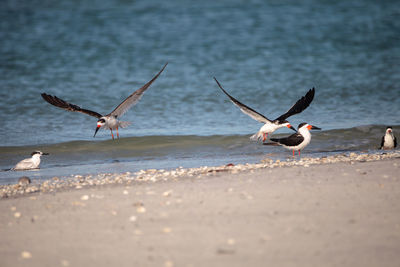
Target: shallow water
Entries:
(266, 54)
(168, 152)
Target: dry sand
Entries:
(341, 214)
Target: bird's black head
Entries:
(38, 152)
(100, 123)
(308, 126)
(389, 127)
(285, 123)
(301, 125)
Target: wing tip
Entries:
(162, 69)
(223, 90)
(311, 92)
(158, 74)
(44, 95)
(308, 98)
(165, 65)
(47, 97)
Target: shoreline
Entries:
(294, 213)
(57, 184)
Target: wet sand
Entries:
(336, 214)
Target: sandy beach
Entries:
(145, 116)
(331, 214)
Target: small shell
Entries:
(141, 209)
(26, 255)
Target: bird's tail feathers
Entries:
(124, 124)
(275, 142)
(257, 136)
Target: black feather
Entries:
(382, 142)
(292, 140)
(58, 102)
(299, 106)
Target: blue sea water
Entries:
(267, 54)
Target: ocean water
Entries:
(267, 54)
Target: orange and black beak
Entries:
(97, 128)
(312, 127)
(291, 127)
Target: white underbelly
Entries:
(389, 143)
(269, 128)
(111, 123)
(300, 146)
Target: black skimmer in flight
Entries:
(271, 126)
(297, 141)
(110, 121)
(30, 163)
(388, 140)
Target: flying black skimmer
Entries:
(271, 126)
(297, 141)
(110, 121)
(388, 140)
(30, 163)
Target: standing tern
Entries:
(388, 140)
(297, 141)
(30, 163)
(110, 121)
(271, 126)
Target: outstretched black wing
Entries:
(134, 97)
(293, 140)
(299, 106)
(55, 101)
(245, 109)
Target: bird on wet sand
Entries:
(30, 163)
(110, 121)
(297, 141)
(271, 126)
(389, 141)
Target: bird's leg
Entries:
(112, 134)
(299, 152)
(293, 153)
(117, 133)
(265, 136)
